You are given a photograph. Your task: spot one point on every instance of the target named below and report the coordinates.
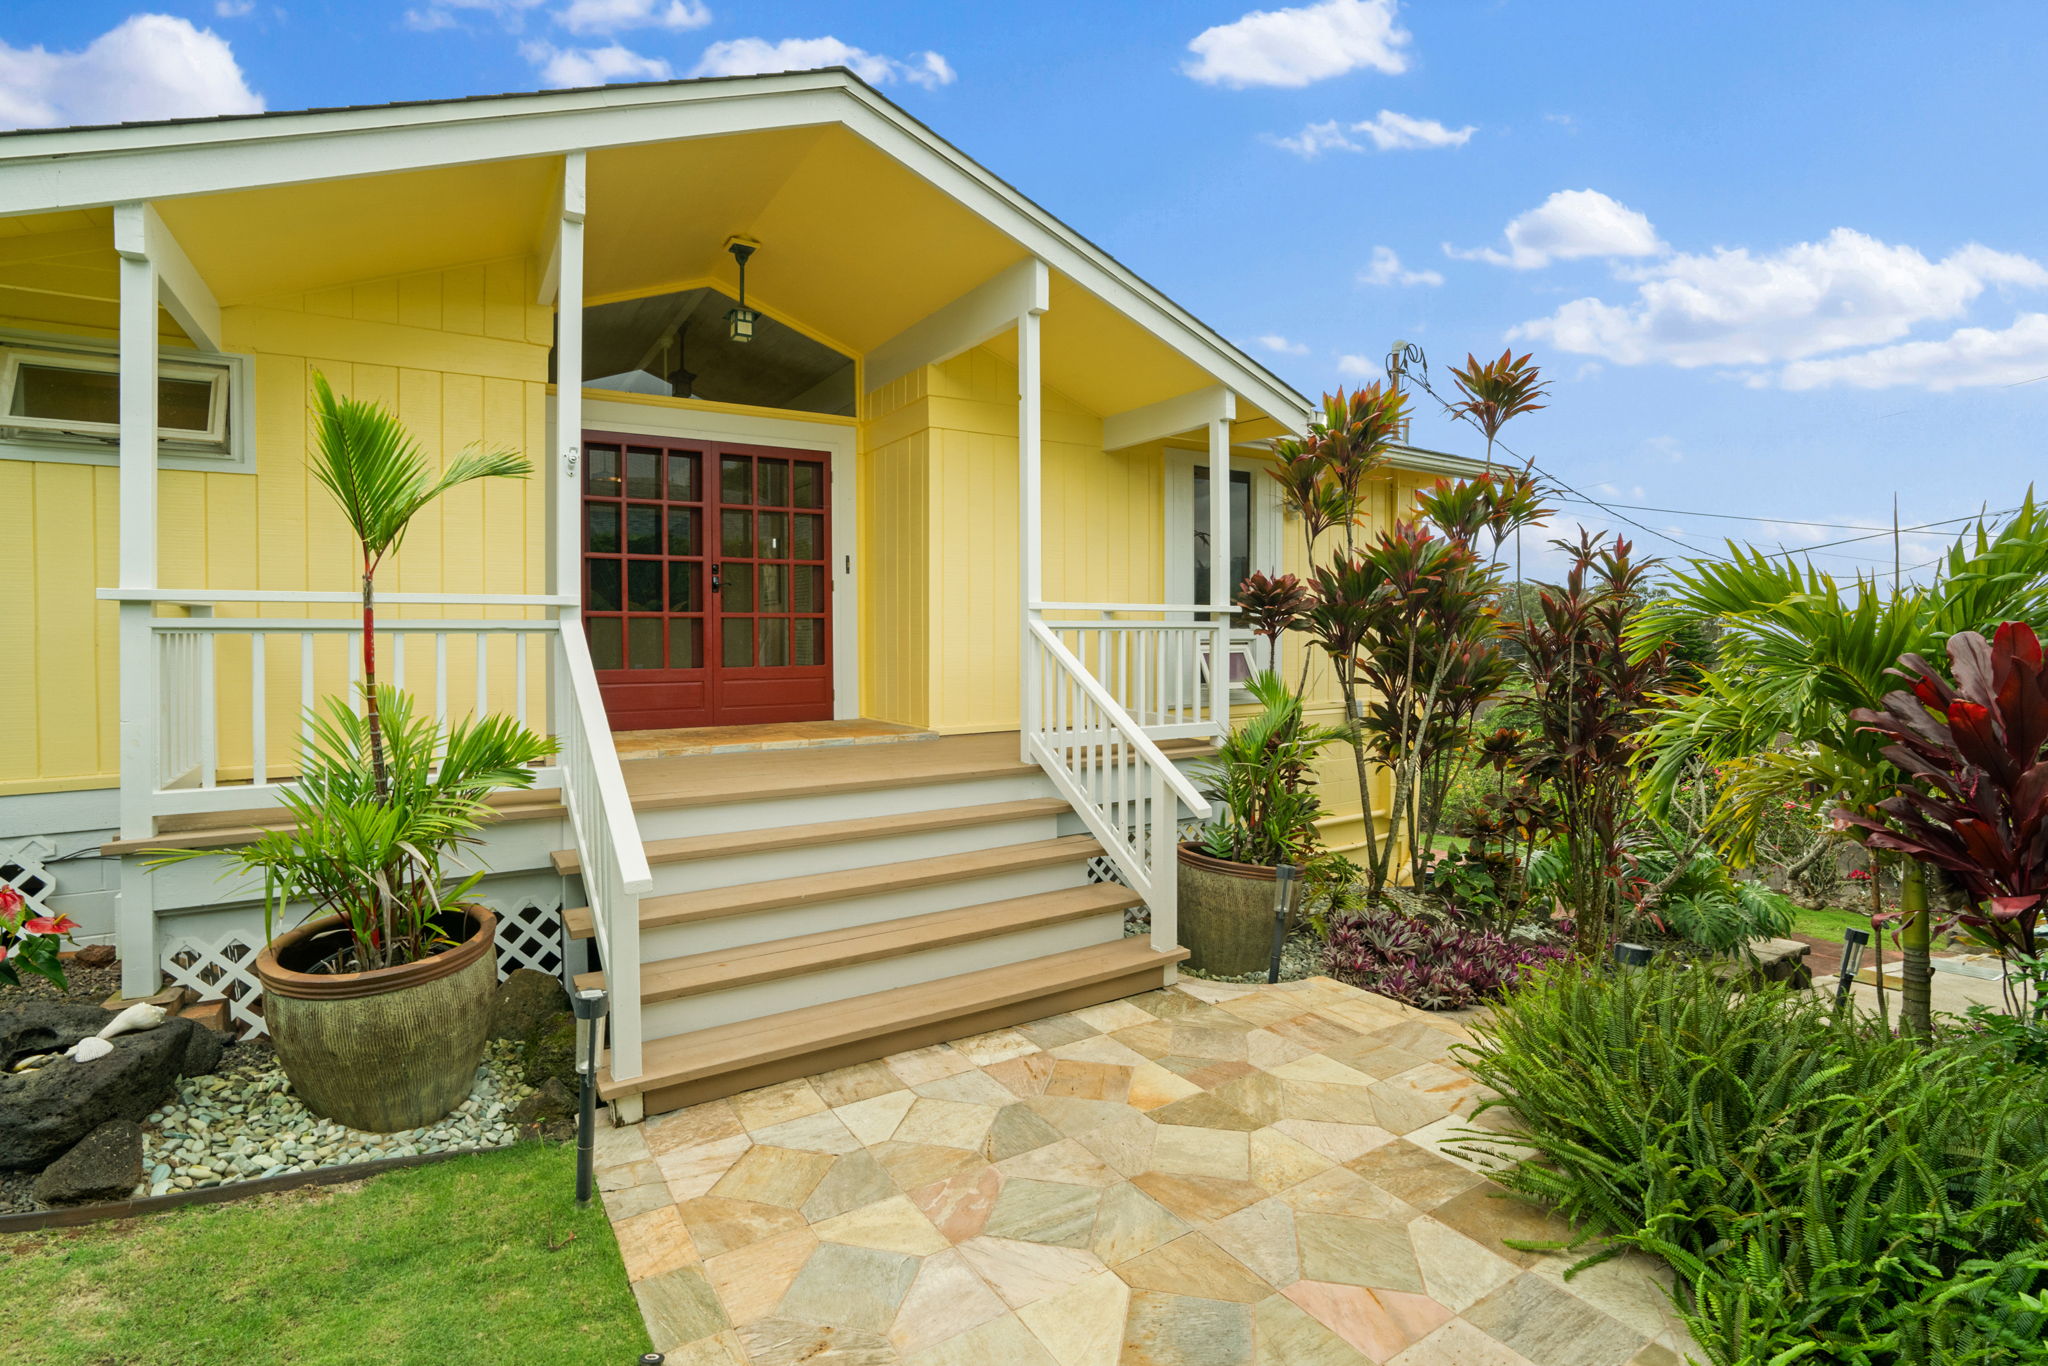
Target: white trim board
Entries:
(608, 415)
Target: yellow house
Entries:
(865, 576)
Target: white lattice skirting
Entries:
(529, 936)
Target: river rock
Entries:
(45, 1112)
(104, 1165)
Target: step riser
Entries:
(815, 917)
(772, 812)
(664, 1018)
(736, 870)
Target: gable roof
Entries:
(46, 170)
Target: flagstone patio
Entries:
(1201, 1176)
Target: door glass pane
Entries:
(809, 642)
(602, 471)
(1240, 530)
(775, 483)
(738, 643)
(774, 589)
(685, 643)
(682, 588)
(643, 643)
(643, 529)
(643, 587)
(738, 593)
(606, 649)
(809, 594)
(736, 536)
(602, 522)
(733, 480)
(682, 478)
(643, 474)
(604, 585)
(809, 538)
(810, 488)
(774, 641)
(682, 531)
(773, 533)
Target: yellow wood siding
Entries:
(461, 355)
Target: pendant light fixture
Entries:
(682, 381)
(740, 321)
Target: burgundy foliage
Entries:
(1434, 964)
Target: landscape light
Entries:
(1854, 942)
(1632, 955)
(589, 1007)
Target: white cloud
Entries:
(1568, 225)
(150, 66)
(1387, 131)
(1386, 269)
(611, 16)
(1361, 367)
(1968, 358)
(438, 14)
(751, 56)
(1732, 307)
(1279, 345)
(563, 67)
(1297, 47)
(232, 9)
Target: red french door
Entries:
(706, 583)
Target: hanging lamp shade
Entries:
(740, 321)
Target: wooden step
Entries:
(769, 840)
(719, 779)
(712, 903)
(685, 1069)
(697, 973)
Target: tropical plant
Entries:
(1587, 692)
(1826, 1193)
(1797, 655)
(30, 943)
(1260, 776)
(1497, 391)
(1975, 802)
(1270, 607)
(1692, 897)
(379, 475)
(1435, 964)
(375, 848)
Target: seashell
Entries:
(85, 1050)
(141, 1015)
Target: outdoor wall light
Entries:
(1854, 942)
(740, 321)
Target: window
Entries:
(60, 399)
(1240, 530)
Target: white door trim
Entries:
(842, 441)
(1266, 553)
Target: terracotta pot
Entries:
(385, 1050)
(1226, 913)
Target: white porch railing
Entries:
(216, 684)
(1126, 791)
(1158, 671)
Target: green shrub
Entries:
(1826, 1193)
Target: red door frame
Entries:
(659, 606)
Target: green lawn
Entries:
(1828, 923)
(480, 1259)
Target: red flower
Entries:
(10, 900)
(62, 924)
(1859, 875)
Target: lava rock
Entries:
(94, 956)
(526, 1003)
(550, 1053)
(104, 1165)
(553, 1101)
(44, 1112)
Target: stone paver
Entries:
(1207, 1175)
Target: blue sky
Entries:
(1780, 260)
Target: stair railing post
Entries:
(1165, 860)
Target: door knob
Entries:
(715, 579)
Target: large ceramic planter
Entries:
(385, 1050)
(1226, 914)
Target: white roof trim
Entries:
(92, 167)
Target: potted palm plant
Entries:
(1260, 777)
(379, 1001)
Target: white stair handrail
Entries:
(608, 845)
(1133, 734)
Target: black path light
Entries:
(1854, 942)
(1283, 902)
(589, 1007)
(1632, 955)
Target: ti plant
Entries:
(1261, 778)
(1496, 391)
(379, 476)
(1975, 754)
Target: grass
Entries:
(481, 1259)
(1827, 922)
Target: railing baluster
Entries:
(519, 640)
(305, 686)
(441, 677)
(259, 712)
(483, 676)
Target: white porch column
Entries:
(135, 919)
(1030, 519)
(565, 472)
(1221, 590)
